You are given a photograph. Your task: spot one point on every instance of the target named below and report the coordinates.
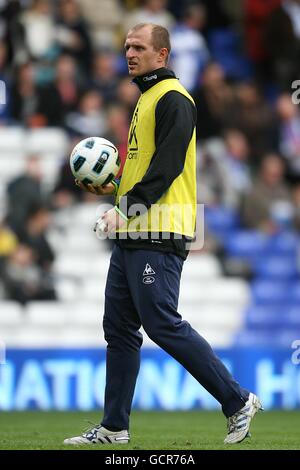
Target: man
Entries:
(144, 275)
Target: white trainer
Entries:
(238, 424)
(99, 435)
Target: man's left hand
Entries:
(112, 220)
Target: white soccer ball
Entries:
(95, 161)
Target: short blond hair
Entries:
(160, 36)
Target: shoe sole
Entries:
(99, 442)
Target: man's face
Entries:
(140, 54)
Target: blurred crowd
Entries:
(63, 65)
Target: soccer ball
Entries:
(95, 161)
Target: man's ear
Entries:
(163, 55)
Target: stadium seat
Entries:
(224, 45)
(71, 266)
(272, 317)
(50, 167)
(11, 313)
(36, 336)
(275, 267)
(82, 337)
(11, 166)
(88, 313)
(93, 289)
(248, 338)
(217, 338)
(87, 214)
(82, 241)
(283, 243)
(245, 243)
(293, 313)
(201, 266)
(220, 220)
(47, 313)
(219, 291)
(281, 337)
(11, 140)
(271, 292)
(63, 219)
(46, 140)
(213, 315)
(76, 266)
(67, 289)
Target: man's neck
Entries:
(146, 81)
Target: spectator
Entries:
(236, 167)
(212, 184)
(31, 105)
(90, 119)
(67, 83)
(24, 280)
(217, 14)
(8, 240)
(289, 135)
(73, 35)
(39, 30)
(282, 40)
(224, 173)
(23, 192)
(152, 11)
(117, 132)
(127, 94)
(105, 19)
(214, 101)
(268, 205)
(296, 201)
(8, 243)
(34, 235)
(189, 53)
(253, 116)
(105, 76)
(4, 85)
(66, 193)
(24, 103)
(256, 15)
(12, 31)
(61, 97)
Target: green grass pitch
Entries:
(150, 430)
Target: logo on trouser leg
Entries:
(148, 275)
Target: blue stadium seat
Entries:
(222, 40)
(271, 292)
(281, 338)
(275, 267)
(221, 220)
(272, 317)
(274, 292)
(293, 314)
(224, 45)
(283, 243)
(245, 243)
(294, 293)
(248, 243)
(254, 338)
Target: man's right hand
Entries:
(98, 190)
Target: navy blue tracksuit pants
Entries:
(142, 289)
